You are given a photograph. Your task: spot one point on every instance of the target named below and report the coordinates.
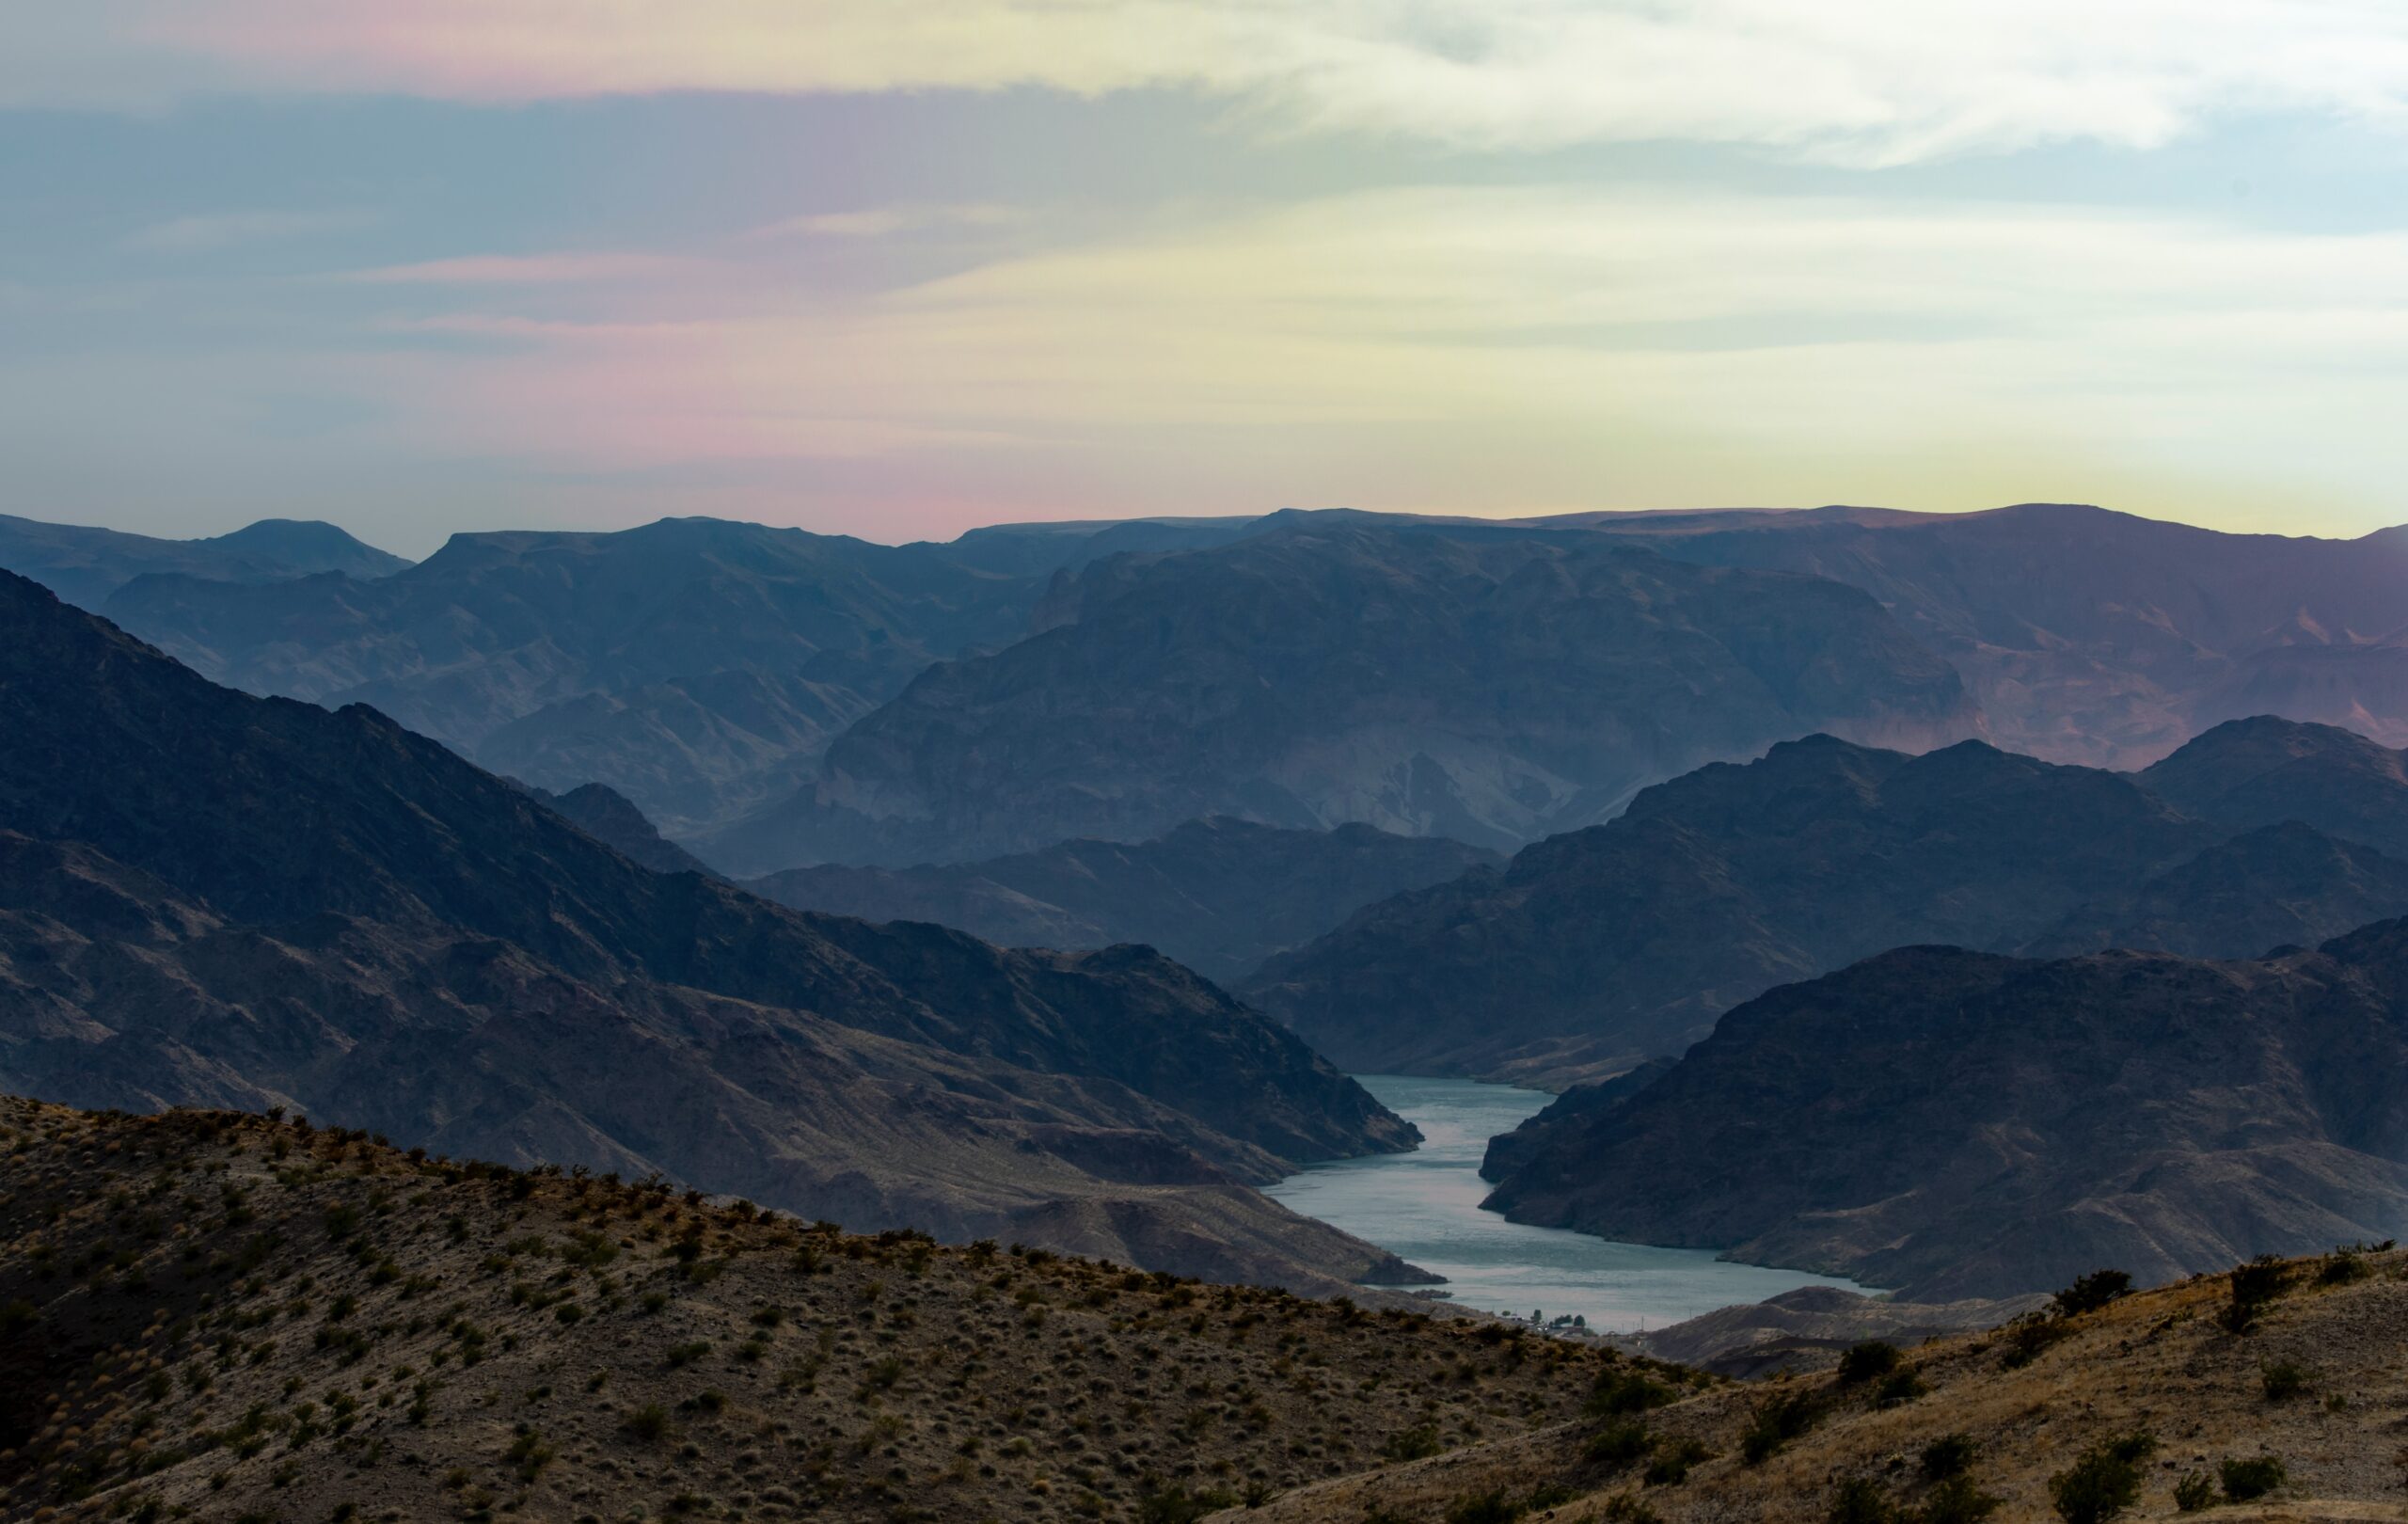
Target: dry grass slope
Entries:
(223, 1317)
(2301, 1414)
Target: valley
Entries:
(1425, 1207)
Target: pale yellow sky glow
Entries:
(1501, 257)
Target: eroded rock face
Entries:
(1955, 1123)
(1220, 895)
(1485, 686)
(211, 899)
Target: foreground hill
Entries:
(2100, 638)
(85, 566)
(242, 1319)
(1220, 895)
(2148, 1407)
(1951, 1124)
(693, 665)
(1485, 686)
(208, 899)
(1596, 948)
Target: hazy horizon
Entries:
(894, 270)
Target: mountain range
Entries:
(2096, 637)
(1485, 685)
(1951, 1123)
(1597, 948)
(85, 566)
(210, 898)
(1219, 895)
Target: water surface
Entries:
(1424, 1207)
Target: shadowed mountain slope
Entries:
(1220, 895)
(1484, 685)
(219, 899)
(1955, 1123)
(1598, 947)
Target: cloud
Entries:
(529, 270)
(1487, 349)
(890, 221)
(1860, 81)
(209, 232)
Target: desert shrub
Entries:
(2104, 1482)
(2255, 1477)
(2255, 1285)
(2090, 1292)
(1673, 1459)
(1957, 1501)
(2283, 1378)
(1861, 1500)
(1901, 1385)
(1490, 1507)
(1619, 1392)
(1412, 1443)
(1177, 1505)
(2341, 1267)
(1951, 1454)
(1628, 1508)
(648, 1422)
(2028, 1336)
(1866, 1360)
(1618, 1446)
(1777, 1421)
(2195, 1492)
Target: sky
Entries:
(898, 267)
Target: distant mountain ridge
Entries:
(695, 666)
(85, 566)
(1218, 895)
(1597, 948)
(2102, 638)
(211, 899)
(1457, 680)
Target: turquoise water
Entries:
(1424, 1206)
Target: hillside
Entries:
(2294, 1420)
(208, 899)
(1950, 1123)
(1219, 896)
(1596, 948)
(1488, 685)
(85, 566)
(2100, 638)
(245, 1319)
(695, 666)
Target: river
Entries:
(1424, 1207)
